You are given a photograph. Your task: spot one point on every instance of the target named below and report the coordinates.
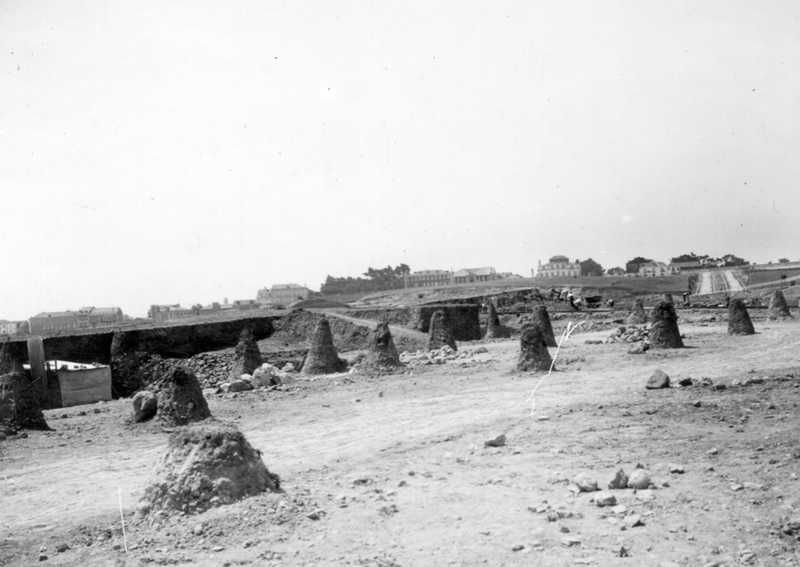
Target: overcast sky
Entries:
(168, 151)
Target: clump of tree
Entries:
(591, 268)
(632, 266)
(377, 279)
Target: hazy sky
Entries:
(166, 151)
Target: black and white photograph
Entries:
(400, 283)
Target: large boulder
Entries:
(664, 332)
(739, 322)
(382, 353)
(206, 465)
(246, 356)
(533, 353)
(145, 405)
(658, 380)
(778, 308)
(322, 357)
(440, 332)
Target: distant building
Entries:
(686, 266)
(558, 267)
(616, 271)
(282, 294)
(84, 318)
(245, 304)
(12, 327)
(471, 275)
(429, 278)
(655, 269)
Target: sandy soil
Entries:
(394, 471)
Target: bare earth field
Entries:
(393, 470)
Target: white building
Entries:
(429, 278)
(655, 269)
(558, 267)
(10, 327)
(282, 294)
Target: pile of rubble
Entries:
(442, 355)
(629, 334)
(211, 368)
(265, 376)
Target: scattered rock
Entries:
(659, 379)
(240, 385)
(676, 469)
(604, 498)
(685, 382)
(585, 483)
(619, 481)
(639, 479)
(499, 441)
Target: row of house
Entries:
(84, 318)
(282, 295)
(174, 312)
(433, 278)
(562, 267)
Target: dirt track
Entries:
(397, 468)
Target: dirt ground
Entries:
(393, 470)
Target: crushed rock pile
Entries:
(629, 334)
(443, 355)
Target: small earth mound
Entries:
(179, 397)
(206, 465)
(664, 331)
(322, 357)
(778, 308)
(533, 353)
(637, 315)
(739, 322)
(382, 351)
(440, 332)
(246, 357)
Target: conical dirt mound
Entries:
(246, 357)
(382, 352)
(664, 331)
(206, 465)
(322, 357)
(533, 353)
(637, 315)
(778, 308)
(440, 332)
(179, 397)
(739, 322)
(541, 318)
(494, 330)
(19, 403)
